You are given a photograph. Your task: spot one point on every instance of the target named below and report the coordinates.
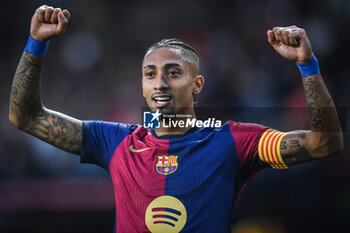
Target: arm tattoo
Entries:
(312, 97)
(59, 130)
(28, 113)
(291, 150)
(326, 136)
(25, 92)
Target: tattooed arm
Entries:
(26, 110)
(28, 114)
(325, 137)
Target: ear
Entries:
(198, 84)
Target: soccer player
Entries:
(175, 179)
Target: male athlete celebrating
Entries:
(175, 179)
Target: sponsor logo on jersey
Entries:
(167, 164)
(131, 148)
(166, 214)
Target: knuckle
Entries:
(40, 11)
(42, 7)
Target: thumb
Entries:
(62, 23)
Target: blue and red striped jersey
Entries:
(173, 183)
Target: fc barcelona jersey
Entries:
(174, 183)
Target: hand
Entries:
(48, 22)
(291, 43)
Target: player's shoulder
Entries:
(104, 124)
(108, 126)
(246, 127)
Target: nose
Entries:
(161, 83)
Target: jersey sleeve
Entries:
(100, 140)
(247, 137)
(257, 147)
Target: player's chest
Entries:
(151, 165)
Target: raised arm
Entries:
(325, 137)
(26, 109)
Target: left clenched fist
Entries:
(291, 42)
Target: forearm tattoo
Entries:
(312, 97)
(25, 91)
(31, 116)
(291, 150)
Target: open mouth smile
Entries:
(161, 100)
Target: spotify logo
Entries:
(165, 214)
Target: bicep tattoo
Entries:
(59, 130)
(292, 150)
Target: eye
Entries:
(150, 74)
(173, 73)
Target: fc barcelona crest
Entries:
(167, 164)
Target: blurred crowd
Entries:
(94, 72)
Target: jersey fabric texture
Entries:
(192, 180)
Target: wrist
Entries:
(35, 47)
(310, 68)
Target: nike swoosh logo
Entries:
(131, 148)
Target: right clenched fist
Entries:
(48, 22)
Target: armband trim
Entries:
(269, 149)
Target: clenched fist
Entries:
(48, 22)
(292, 43)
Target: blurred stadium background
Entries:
(93, 72)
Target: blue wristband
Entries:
(35, 47)
(310, 68)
